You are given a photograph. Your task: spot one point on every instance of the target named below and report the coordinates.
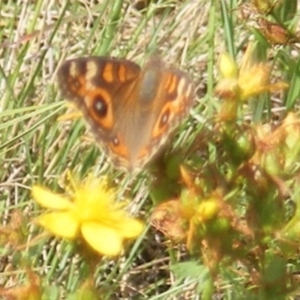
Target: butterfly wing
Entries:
(99, 86)
(164, 98)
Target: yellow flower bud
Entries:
(227, 66)
(207, 209)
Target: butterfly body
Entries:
(130, 110)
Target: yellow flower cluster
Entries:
(91, 213)
(249, 80)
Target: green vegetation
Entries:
(220, 205)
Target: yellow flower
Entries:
(90, 212)
(249, 80)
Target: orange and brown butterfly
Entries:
(131, 110)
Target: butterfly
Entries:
(130, 110)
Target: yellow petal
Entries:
(254, 80)
(207, 209)
(130, 228)
(227, 66)
(48, 199)
(103, 239)
(62, 224)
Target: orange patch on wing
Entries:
(143, 153)
(120, 149)
(160, 130)
(108, 74)
(171, 83)
(126, 74)
(122, 73)
(106, 121)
